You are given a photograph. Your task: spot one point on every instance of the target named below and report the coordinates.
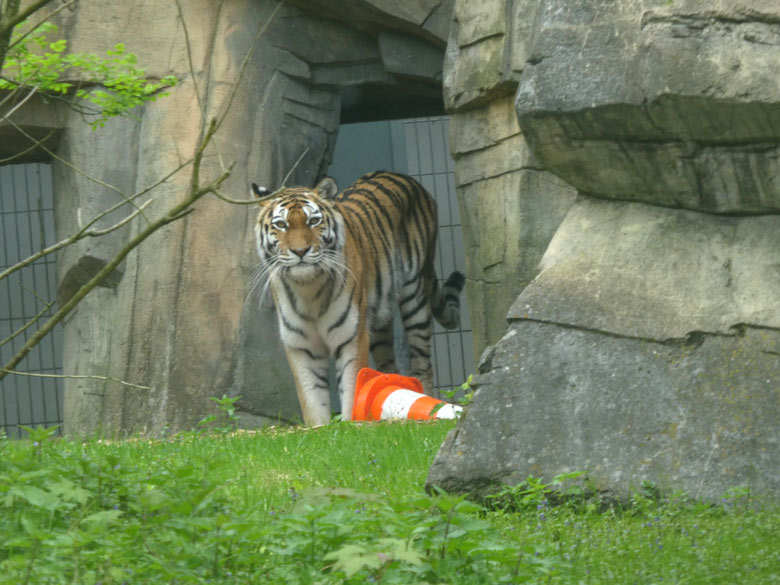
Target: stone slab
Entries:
(410, 56)
(676, 104)
(479, 20)
(552, 399)
(508, 222)
(642, 271)
(481, 128)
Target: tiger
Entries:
(336, 264)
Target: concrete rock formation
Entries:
(510, 205)
(177, 315)
(616, 166)
(647, 348)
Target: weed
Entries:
(227, 420)
(39, 436)
(461, 395)
(342, 505)
(534, 494)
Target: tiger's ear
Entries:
(260, 192)
(327, 188)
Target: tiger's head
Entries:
(299, 234)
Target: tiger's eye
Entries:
(315, 221)
(280, 224)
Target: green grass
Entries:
(340, 504)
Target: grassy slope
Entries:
(341, 504)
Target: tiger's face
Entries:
(299, 234)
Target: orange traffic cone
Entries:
(381, 396)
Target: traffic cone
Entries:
(381, 396)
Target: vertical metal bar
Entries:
(47, 198)
(26, 204)
(21, 290)
(455, 222)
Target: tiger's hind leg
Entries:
(418, 326)
(382, 349)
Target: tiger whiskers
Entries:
(334, 263)
(262, 274)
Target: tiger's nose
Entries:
(300, 252)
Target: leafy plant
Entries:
(227, 421)
(38, 436)
(113, 84)
(534, 492)
(338, 505)
(462, 394)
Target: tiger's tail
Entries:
(445, 301)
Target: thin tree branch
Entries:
(21, 153)
(22, 15)
(76, 376)
(12, 94)
(195, 193)
(260, 30)
(22, 102)
(227, 199)
(189, 60)
(119, 224)
(27, 325)
(295, 166)
(40, 22)
(81, 234)
(71, 166)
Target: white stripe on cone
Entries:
(449, 411)
(398, 404)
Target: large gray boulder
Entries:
(646, 347)
(672, 103)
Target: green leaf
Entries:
(35, 496)
(99, 521)
(352, 558)
(69, 491)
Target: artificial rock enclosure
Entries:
(617, 169)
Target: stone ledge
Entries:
(509, 155)
(674, 105)
(654, 273)
(626, 411)
(481, 128)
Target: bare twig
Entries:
(27, 325)
(75, 376)
(21, 102)
(295, 166)
(27, 150)
(189, 60)
(196, 192)
(40, 22)
(260, 30)
(70, 165)
(227, 199)
(21, 16)
(81, 234)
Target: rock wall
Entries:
(180, 315)
(510, 205)
(647, 347)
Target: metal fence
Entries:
(27, 226)
(418, 147)
(427, 159)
